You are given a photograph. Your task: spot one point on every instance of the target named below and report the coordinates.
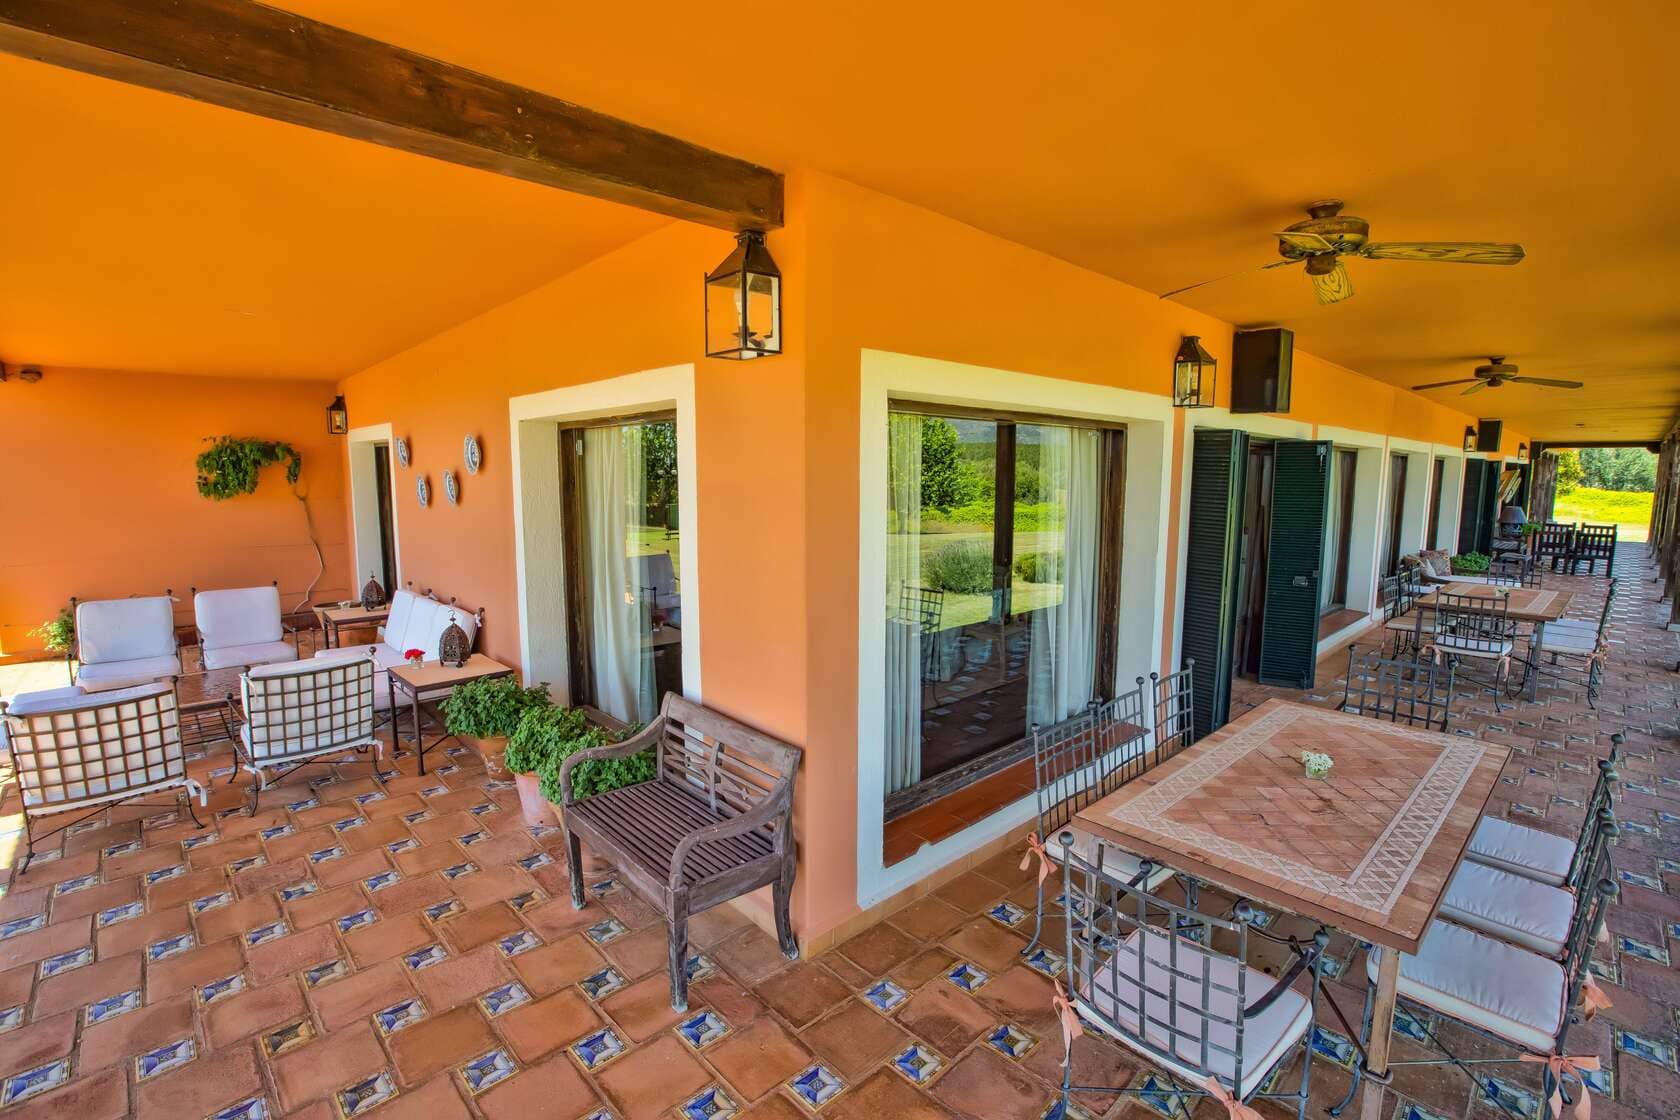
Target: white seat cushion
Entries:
(106, 675)
(421, 617)
(46, 700)
(1525, 851)
(1468, 976)
(1579, 643)
(1470, 647)
(1121, 866)
(1509, 907)
(239, 616)
(257, 653)
(125, 629)
(1112, 992)
(303, 707)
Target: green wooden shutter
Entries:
(1218, 465)
(1475, 513)
(1295, 557)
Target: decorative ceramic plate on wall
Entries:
(402, 451)
(451, 488)
(423, 491)
(470, 452)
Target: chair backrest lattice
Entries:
(1554, 538)
(1473, 624)
(732, 766)
(1171, 705)
(1416, 693)
(97, 745)
(921, 607)
(1595, 542)
(1598, 807)
(1082, 759)
(302, 707)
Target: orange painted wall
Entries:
(778, 440)
(100, 502)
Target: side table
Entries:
(425, 684)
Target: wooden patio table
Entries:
(1533, 605)
(1369, 849)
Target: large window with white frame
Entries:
(618, 498)
(1002, 587)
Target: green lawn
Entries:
(1629, 509)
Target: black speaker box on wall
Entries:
(1488, 433)
(1260, 366)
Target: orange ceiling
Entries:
(144, 231)
(1158, 144)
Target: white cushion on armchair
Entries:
(241, 626)
(125, 642)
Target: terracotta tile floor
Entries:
(230, 972)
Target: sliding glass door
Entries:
(996, 614)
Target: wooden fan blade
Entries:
(1451, 252)
(1334, 286)
(1552, 381)
(1444, 384)
(1227, 276)
(1305, 242)
(1476, 388)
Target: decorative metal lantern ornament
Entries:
(1194, 374)
(1469, 438)
(1522, 452)
(744, 302)
(453, 647)
(338, 417)
(373, 595)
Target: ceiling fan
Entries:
(1322, 240)
(1494, 374)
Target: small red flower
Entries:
(414, 655)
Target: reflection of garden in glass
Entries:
(654, 528)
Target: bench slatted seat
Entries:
(715, 822)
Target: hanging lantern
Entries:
(1522, 452)
(338, 417)
(1194, 374)
(744, 302)
(453, 646)
(1469, 438)
(373, 595)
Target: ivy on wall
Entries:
(231, 465)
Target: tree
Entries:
(1618, 468)
(1568, 470)
(946, 480)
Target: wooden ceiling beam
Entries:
(272, 63)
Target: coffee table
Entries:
(1369, 849)
(429, 682)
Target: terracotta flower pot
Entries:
(491, 748)
(536, 808)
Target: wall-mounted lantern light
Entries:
(1522, 452)
(1469, 439)
(1194, 374)
(338, 417)
(744, 302)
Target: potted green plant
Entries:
(485, 713)
(58, 633)
(546, 738)
(1470, 564)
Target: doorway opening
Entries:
(1251, 562)
(387, 529)
(1396, 511)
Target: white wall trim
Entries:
(1148, 420)
(364, 507)
(533, 421)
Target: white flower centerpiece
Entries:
(1317, 763)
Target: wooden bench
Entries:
(714, 823)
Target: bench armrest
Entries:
(769, 811)
(640, 741)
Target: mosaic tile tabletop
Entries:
(1368, 849)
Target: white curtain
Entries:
(904, 631)
(614, 496)
(1062, 665)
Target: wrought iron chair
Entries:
(1174, 710)
(1146, 973)
(1544, 856)
(922, 608)
(75, 749)
(1402, 617)
(305, 711)
(1416, 693)
(1500, 991)
(1512, 570)
(1078, 762)
(1584, 647)
(1474, 628)
(1553, 542)
(1592, 544)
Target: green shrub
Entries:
(1470, 564)
(547, 737)
(961, 567)
(1039, 567)
(57, 634)
(491, 707)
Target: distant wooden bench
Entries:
(714, 823)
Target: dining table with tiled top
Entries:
(1367, 849)
(1533, 605)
